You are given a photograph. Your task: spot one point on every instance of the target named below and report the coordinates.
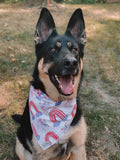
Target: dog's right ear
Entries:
(44, 27)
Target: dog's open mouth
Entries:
(65, 84)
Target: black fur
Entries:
(17, 118)
(24, 132)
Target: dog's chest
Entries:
(56, 152)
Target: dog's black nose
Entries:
(70, 63)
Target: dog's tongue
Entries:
(66, 83)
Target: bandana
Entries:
(49, 119)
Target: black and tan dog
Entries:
(58, 73)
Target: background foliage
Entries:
(81, 1)
(59, 1)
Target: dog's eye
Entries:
(74, 50)
(52, 50)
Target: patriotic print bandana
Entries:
(49, 119)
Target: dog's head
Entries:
(59, 57)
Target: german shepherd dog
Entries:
(58, 74)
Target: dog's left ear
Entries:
(44, 27)
(76, 27)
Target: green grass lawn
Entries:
(100, 91)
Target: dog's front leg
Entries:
(78, 139)
(79, 154)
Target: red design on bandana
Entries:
(51, 134)
(73, 111)
(35, 132)
(56, 112)
(31, 104)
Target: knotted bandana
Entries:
(49, 119)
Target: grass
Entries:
(100, 90)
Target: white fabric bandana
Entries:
(49, 119)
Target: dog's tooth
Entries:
(61, 86)
(57, 78)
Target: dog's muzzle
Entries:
(64, 75)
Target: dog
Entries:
(52, 126)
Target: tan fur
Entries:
(21, 152)
(49, 86)
(79, 138)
